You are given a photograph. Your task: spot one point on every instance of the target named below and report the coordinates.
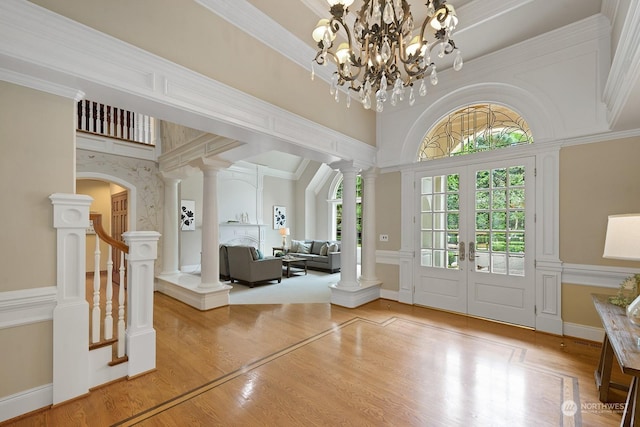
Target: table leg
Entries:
(603, 373)
(629, 417)
(288, 269)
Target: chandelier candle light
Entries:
(381, 51)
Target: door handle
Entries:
(462, 251)
(472, 251)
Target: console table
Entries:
(620, 339)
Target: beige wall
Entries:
(37, 137)
(180, 30)
(388, 202)
(596, 180)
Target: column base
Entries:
(186, 288)
(354, 296)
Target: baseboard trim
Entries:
(589, 333)
(26, 401)
(390, 295)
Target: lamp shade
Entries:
(284, 231)
(623, 237)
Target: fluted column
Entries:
(348, 246)
(170, 242)
(210, 275)
(369, 227)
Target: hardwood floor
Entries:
(383, 364)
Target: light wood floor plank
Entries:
(316, 364)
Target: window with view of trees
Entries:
(336, 199)
(475, 128)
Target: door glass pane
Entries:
(500, 220)
(439, 221)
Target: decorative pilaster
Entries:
(141, 336)
(71, 314)
(171, 224)
(368, 275)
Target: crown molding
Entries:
(625, 67)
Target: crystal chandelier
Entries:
(380, 51)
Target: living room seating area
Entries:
(244, 264)
(321, 255)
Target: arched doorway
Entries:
(475, 216)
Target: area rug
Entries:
(312, 288)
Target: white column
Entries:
(141, 336)
(170, 244)
(71, 314)
(348, 246)
(210, 273)
(369, 227)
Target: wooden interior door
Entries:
(119, 221)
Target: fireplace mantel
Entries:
(240, 233)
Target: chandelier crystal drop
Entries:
(381, 53)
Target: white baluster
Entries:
(146, 136)
(95, 319)
(108, 318)
(121, 324)
(137, 128)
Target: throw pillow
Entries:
(254, 253)
(303, 248)
(294, 246)
(260, 255)
(324, 249)
(316, 247)
(334, 247)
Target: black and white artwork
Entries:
(188, 215)
(279, 217)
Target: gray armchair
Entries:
(244, 268)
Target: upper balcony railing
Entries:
(114, 122)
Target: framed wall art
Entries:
(279, 217)
(188, 215)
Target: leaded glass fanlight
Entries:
(475, 128)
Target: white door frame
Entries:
(548, 267)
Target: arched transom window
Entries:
(475, 128)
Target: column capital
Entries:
(345, 166)
(372, 172)
(206, 164)
(168, 178)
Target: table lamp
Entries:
(284, 232)
(623, 242)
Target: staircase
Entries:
(88, 350)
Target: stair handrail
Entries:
(97, 226)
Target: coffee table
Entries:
(288, 260)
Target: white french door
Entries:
(476, 240)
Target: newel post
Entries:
(71, 314)
(140, 336)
